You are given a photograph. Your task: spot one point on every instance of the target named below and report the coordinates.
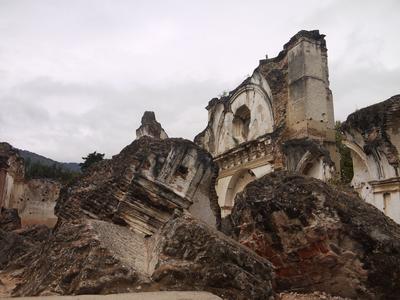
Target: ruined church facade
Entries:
(281, 117)
(373, 137)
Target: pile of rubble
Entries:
(148, 220)
(318, 237)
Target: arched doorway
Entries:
(237, 183)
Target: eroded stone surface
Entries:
(16, 244)
(9, 219)
(319, 238)
(150, 127)
(144, 184)
(96, 257)
(134, 296)
(190, 254)
(82, 257)
(309, 296)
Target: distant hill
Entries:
(73, 167)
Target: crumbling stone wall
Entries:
(12, 173)
(128, 224)
(372, 135)
(144, 184)
(286, 98)
(34, 199)
(150, 127)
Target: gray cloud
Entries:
(76, 76)
(71, 120)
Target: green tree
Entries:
(346, 162)
(90, 159)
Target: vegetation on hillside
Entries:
(35, 170)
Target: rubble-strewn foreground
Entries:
(142, 221)
(319, 238)
(148, 219)
(128, 225)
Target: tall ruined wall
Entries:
(258, 127)
(290, 91)
(35, 199)
(310, 106)
(373, 136)
(12, 174)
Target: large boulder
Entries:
(143, 185)
(190, 255)
(96, 257)
(318, 237)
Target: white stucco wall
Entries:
(8, 187)
(256, 97)
(393, 206)
(371, 176)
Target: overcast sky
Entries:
(76, 76)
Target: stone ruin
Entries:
(246, 211)
(281, 117)
(144, 184)
(318, 237)
(372, 135)
(34, 199)
(150, 127)
(144, 220)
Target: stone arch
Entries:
(363, 172)
(237, 183)
(313, 166)
(257, 89)
(362, 161)
(304, 163)
(254, 94)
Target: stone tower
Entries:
(281, 117)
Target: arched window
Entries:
(241, 123)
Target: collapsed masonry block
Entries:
(318, 237)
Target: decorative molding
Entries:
(248, 155)
(387, 185)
